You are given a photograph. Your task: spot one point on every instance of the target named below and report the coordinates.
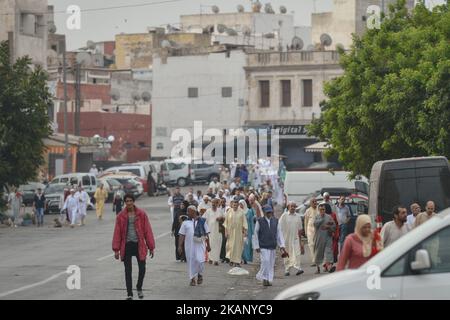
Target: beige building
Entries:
(347, 17)
(284, 92)
(24, 23)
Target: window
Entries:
(74, 181)
(86, 181)
(175, 166)
(264, 87)
(93, 181)
(64, 180)
(397, 269)
(285, 93)
(31, 24)
(307, 93)
(227, 92)
(438, 247)
(192, 92)
(159, 146)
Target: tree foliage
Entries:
(24, 101)
(393, 98)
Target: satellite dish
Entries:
(297, 43)
(111, 138)
(215, 9)
(146, 96)
(231, 32)
(91, 45)
(268, 8)
(221, 28)
(326, 40)
(165, 44)
(115, 94)
(283, 10)
(52, 28)
(208, 29)
(311, 47)
(96, 136)
(269, 35)
(257, 6)
(84, 58)
(136, 96)
(247, 31)
(240, 8)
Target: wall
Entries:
(172, 109)
(134, 50)
(126, 128)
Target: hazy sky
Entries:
(105, 24)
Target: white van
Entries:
(299, 184)
(87, 180)
(177, 171)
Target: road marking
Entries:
(112, 254)
(32, 285)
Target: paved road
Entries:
(34, 261)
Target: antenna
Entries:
(325, 40)
(91, 45)
(240, 8)
(297, 43)
(146, 96)
(256, 7)
(215, 9)
(283, 10)
(268, 8)
(115, 94)
(52, 28)
(136, 96)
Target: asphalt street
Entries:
(34, 262)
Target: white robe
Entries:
(267, 269)
(291, 224)
(72, 208)
(215, 237)
(82, 200)
(195, 252)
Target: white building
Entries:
(347, 17)
(24, 23)
(258, 29)
(285, 91)
(208, 86)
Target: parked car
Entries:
(126, 176)
(54, 195)
(111, 186)
(205, 172)
(414, 267)
(137, 169)
(87, 180)
(130, 186)
(177, 171)
(29, 190)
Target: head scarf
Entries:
(244, 203)
(361, 221)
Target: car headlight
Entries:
(306, 296)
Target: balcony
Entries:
(292, 58)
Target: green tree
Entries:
(393, 98)
(24, 101)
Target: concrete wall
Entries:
(127, 85)
(134, 50)
(172, 109)
(35, 46)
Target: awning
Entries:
(317, 147)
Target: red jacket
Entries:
(143, 231)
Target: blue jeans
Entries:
(342, 235)
(40, 215)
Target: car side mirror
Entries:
(422, 261)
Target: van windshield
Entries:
(406, 186)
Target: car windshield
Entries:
(114, 183)
(55, 189)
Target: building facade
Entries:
(284, 93)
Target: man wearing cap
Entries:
(267, 236)
(204, 205)
(292, 229)
(194, 236)
(235, 231)
(83, 200)
(71, 205)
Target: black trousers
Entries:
(131, 249)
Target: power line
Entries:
(137, 5)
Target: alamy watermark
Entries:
(374, 279)
(223, 146)
(73, 22)
(73, 282)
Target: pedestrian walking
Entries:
(215, 186)
(323, 240)
(267, 236)
(133, 237)
(425, 216)
(71, 206)
(343, 218)
(292, 230)
(247, 254)
(235, 230)
(214, 216)
(118, 202)
(411, 219)
(177, 221)
(194, 238)
(15, 202)
(39, 203)
(83, 201)
(100, 197)
(396, 228)
(310, 230)
(360, 246)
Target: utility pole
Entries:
(77, 99)
(66, 137)
(11, 47)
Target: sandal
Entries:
(199, 279)
(193, 284)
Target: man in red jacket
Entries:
(133, 236)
